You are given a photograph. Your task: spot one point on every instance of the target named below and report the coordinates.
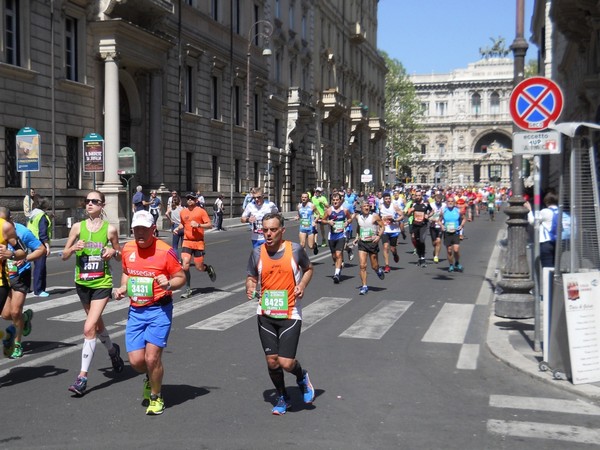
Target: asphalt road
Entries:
(402, 367)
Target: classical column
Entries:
(111, 187)
(156, 154)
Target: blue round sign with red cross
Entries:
(535, 103)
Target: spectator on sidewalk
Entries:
(29, 201)
(219, 212)
(138, 201)
(40, 225)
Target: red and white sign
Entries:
(535, 103)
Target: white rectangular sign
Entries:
(537, 143)
(366, 178)
(582, 291)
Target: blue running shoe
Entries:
(79, 386)
(459, 268)
(308, 392)
(451, 268)
(363, 290)
(380, 273)
(281, 407)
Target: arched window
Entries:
(476, 104)
(495, 103)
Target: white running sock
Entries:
(87, 354)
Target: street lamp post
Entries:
(513, 297)
(266, 33)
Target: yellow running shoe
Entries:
(156, 407)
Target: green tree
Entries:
(531, 68)
(402, 114)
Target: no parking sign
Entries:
(535, 103)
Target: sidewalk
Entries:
(512, 341)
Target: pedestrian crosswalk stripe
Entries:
(226, 319)
(467, 358)
(450, 325)
(378, 321)
(553, 431)
(320, 309)
(544, 404)
(52, 303)
(80, 315)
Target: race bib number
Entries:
(419, 216)
(305, 223)
(450, 227)
(91, 267)
(257, 227)
(12, 267)
(366, 234)
(140, 289)
(275, 304)
(338, 226)
(491, 205)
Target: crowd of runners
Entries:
(278, 270)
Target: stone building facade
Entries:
(466, 127)
(186, 86)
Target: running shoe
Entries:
(156, 406)
(422, 262)
(17, 352)
(436, 259)
(323, 244)
(211, 273)
(116, 360)
(396, 257)
(308, 392)
(281, 407)
(363, 290)
(415, 251)
(27, 316)
(380, 273)
(350, 254)
(187, 293)
(79, 386)
(336, 279)
(451, 268)
(403, 235)
(43, 294)
(316, 249)
(459, 268)
(386, 269)
(9, 340)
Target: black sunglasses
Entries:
(93, 201)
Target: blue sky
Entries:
(442, 35)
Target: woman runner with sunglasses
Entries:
(94, 242)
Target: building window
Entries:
(188, 89)
(495, 103)
(441, 108)
(423, 149)
(425, 108)
(304, 27)
(291, 17)
(215, 97)
(237, 106)
(72, 162)
(12, 32)
(214, 10)
(277, 9)
(278, 67)
(256, 175)
(495, 172)
(292, 73)
(236, 17)
(441, 150)
(238, 177)
(215, 173)
(481, 149)
(276, 131)
(257, 112)
(11, 176)
(476, 104)
(71, 63)
(189, 169)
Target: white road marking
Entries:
(377, 321)
(225, 320)
(467, 358)
(320, 309)
(553, 431)
(450, 325)
(544, 404)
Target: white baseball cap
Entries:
(142, 219)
